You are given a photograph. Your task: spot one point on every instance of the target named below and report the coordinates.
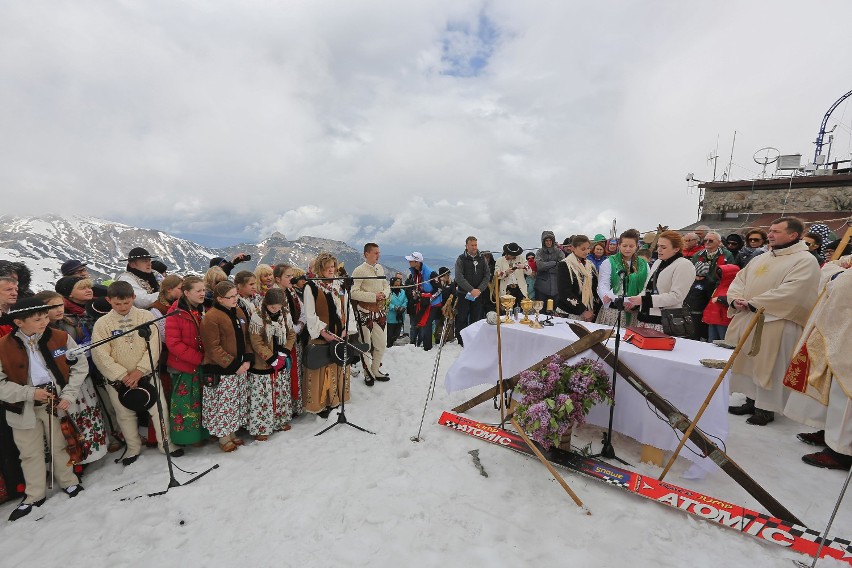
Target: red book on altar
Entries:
(647, 338)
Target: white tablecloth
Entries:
(676, 375)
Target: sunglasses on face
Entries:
(754, 240)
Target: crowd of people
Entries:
(249, 351)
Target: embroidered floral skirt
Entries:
(87, 414)
(609, 316)
(270, 403)
(185, 409)
(323, 388)
(297, 378)
(224, 409)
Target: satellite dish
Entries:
(766, 156)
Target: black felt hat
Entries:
(336, 349)
(139, 398)
(98, 307)
(136, 253)
(27, 307)
(512, 249)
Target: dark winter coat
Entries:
(546, 260)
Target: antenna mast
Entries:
(821, 133)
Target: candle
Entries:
(550, 305)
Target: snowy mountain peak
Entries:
(43, 243)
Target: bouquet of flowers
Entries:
(558, 397)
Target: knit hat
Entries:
(65, 285)
(71, 266)
(136, 253)
(512, 249)
(598, 238)
(26, 307)
(443, 270)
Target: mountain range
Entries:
(43, 243)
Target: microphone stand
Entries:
(144, 331)
(607, 450)
(347, 282)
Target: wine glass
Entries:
(537, 306)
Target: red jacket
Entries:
(690, 252)
(183, 338)
(716, 313)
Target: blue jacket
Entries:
(397, 300)
(428, 287)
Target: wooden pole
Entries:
(499, 346)
(549, 467)
(704, 406)
(838, 252)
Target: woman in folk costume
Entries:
(227, 359)
(611, 278)
(327, 317)
(185, 355)
(513, 270)
(296, 319)
(272, 339)
(577, 282)
(822, 369)
(86, 410)
(670, 278)
(265, 280)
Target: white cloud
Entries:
(340, 119)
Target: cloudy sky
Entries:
(410, 123)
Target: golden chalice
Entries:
(526, 305)
(537, 306)
(507, 301)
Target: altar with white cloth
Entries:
(676, 375)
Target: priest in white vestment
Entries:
(785, 283)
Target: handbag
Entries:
(210, 380)
(677, 322)
(647, 338)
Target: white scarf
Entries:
(583, 274)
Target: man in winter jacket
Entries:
(424, 293)
(546, 260)
(472, 278)
(140, 275)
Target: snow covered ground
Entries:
(352, 499)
